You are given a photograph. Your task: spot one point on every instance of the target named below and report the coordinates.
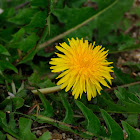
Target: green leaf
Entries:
(7, 13)
(55, 123)
(132, 133)
(49, 15)
(77, 3)
(135, 89)
(25, 129)
(70, 19)
(23, 17)
(18, 35)
(3, 50)
(36, 80)
(38, 21)
(12, 122)
(114, 130)
(103, 131)
(54, 31)
(69, 113)
(6, 34)
(28, 43)
(121, 77)
(130, 102)
(38, 3)
(134, 107)
(48, 110)
(2, 136)
(28, 57)
(45, 136)
(9, 137)
(132, 120)
(126, 42)
(45, 54)
(93, 123)
(4, 64)
(17, 103)
(8, 127)
(80, 33)
(6, 105)
(123, 94)
(110, 106)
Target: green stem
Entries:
(47, 90)
(75, 28)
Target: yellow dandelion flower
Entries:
(83, 66)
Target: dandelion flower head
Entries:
(84, 68)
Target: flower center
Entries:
(82, 63)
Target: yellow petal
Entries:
(63, 79)
(103, 82)
(71, 83)
(62, 74)
(89, 89)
